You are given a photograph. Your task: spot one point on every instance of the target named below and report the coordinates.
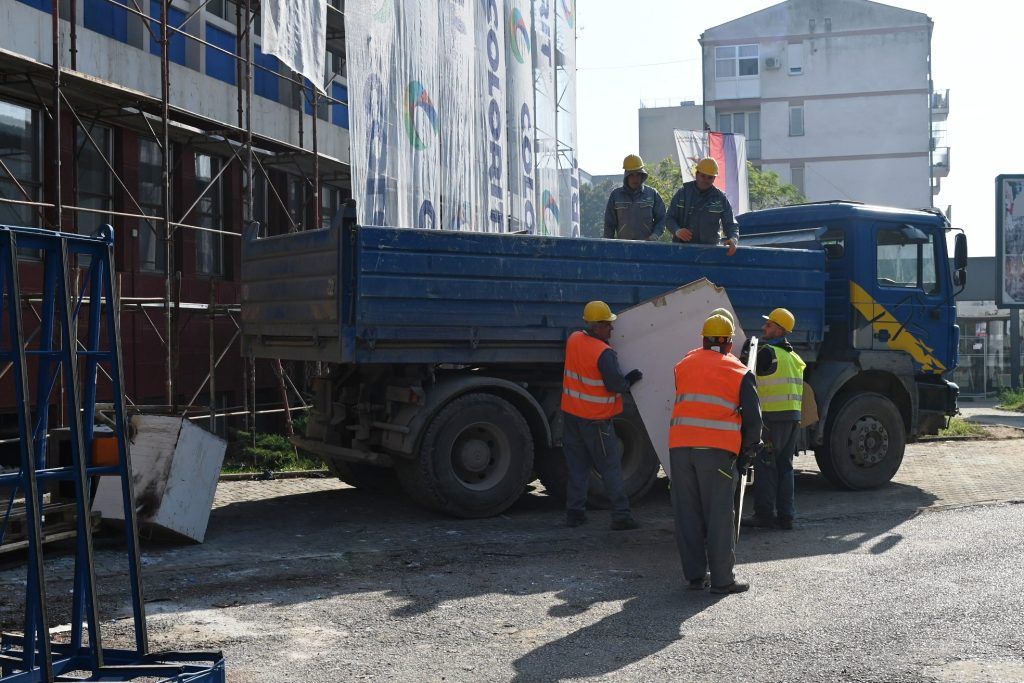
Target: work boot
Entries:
(734, 587)
(624, 524)
(785, 523)
(574, 518)
(758, 522)
(699, 584)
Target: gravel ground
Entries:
(308, 580)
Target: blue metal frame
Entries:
(59, 351)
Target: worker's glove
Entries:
(744, 459)
(634, 376)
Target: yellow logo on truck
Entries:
(900, 338)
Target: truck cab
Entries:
(891, 339)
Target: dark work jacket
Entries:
(634, 215)
(708, 215)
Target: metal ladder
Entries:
(60, 354)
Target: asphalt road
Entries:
(311, 581)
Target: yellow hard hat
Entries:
(707, 166)
(717, 326)
(725, 313)
(598, 312)
(632, 163)
(783, 318)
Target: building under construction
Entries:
(166, 120)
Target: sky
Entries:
(648, 51)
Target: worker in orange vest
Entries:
(715, 419)
(592, 388)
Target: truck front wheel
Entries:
(864, 447)
(475, 458)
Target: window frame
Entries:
(920, 259)
(157, 208)
(33, 186)
(84, 197)
(215, 216)
(737, 61)
(793, 130)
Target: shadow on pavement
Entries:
(302, 547)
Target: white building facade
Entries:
(835, 96)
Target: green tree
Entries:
(767, 191)
(593, 200)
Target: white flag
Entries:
(295, 31)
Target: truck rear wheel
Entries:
(865, 443)
(639, 465)
(475, 458)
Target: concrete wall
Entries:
(657, 124)
(864, 88)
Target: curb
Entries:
(271, 476)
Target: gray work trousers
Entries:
(703, 483)
(593, 443)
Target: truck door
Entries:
(903, 305)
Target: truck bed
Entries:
(350, 294)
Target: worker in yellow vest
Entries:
(716, 420)
(780, 386)
(592, 388)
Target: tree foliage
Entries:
(767, 191)
(593, 199)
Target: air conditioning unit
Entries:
(772, 62)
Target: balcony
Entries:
(940, 162)
(939, 104)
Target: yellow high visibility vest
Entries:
(783, 390)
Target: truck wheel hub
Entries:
(870, 441)
(474, 455)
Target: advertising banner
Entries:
(1010, 241)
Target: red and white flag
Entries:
(729, 150)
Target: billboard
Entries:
(1010, 241)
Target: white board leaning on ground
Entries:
(655, 335)
(175, 469)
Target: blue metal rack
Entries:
(61, 352)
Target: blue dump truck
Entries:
(443, 351)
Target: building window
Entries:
(796, 175)
(210, 214)
(905, 263)
(796, 120)
(226, 9)
(297, 200)
(330, 202)
(20, 150)
(151, 171)
(736, 60)
(95, 184)
(745, 123)
(795, 58)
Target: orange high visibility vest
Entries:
(707, 407)
(583, 391)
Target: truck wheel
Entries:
(865, 443)
(475, 459)
(365, 477)
(639, 465)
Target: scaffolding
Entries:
(61, 90)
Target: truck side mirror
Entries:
(960, 252)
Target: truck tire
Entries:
(365, 477)
(865, 443)
(640, 465)
(475, 458)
